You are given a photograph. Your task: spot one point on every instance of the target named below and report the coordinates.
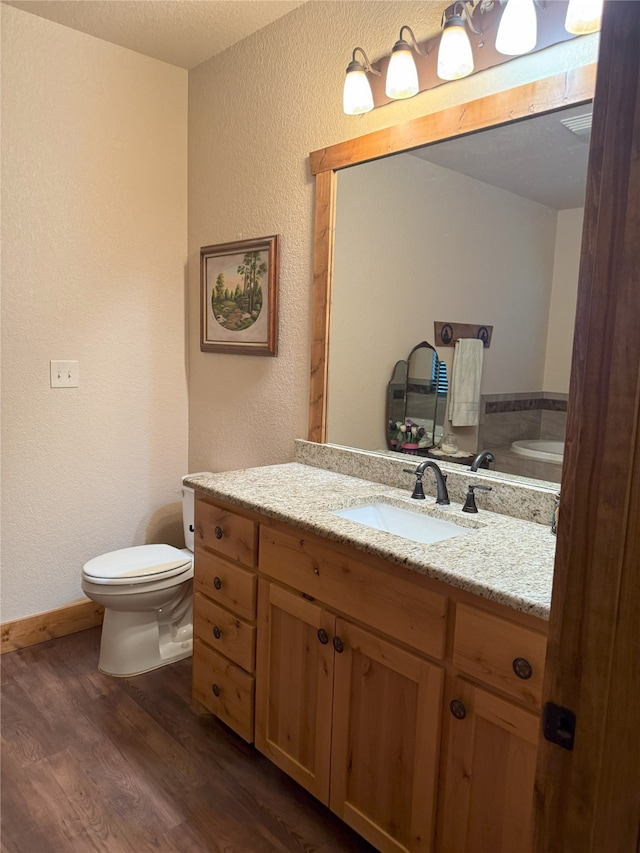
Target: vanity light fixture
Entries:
(357, 97)
(583, 17)
(518, 30)
(402, 74)
(455, 58)
(474, 35)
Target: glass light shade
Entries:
(402, 75)
(455, 58)
(518, 30)
(583, 16)
(356, 96)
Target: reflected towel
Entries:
(466, 376)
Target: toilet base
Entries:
(136, 642)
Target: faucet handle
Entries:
(418, 489)
(470, 501)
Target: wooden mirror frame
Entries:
(541, 96)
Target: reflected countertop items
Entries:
(417, 396)
(504, 559)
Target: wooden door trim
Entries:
(587, 798)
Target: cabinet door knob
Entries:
(323, 636)
(217, 583)
(522, 668)
(217, 633)
(216, 690)
(217, 532)
(338, 645)
(457, 709)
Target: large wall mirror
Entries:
(471, 215)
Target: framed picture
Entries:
(239, 297)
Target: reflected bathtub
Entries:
(543, 451)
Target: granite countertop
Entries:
(504, 559)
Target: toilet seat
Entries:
(137, 565)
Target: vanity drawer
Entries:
(500, 653)
(223, 689)
(224, 632)
(396, 605)
(226, 583)
(226, 532)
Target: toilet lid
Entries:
(136, 565)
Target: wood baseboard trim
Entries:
(74, 617)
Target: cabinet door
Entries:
(491, 761)
(386, 732)
(294, 686)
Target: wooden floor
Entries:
(91, 762)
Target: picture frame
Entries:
(239, 297)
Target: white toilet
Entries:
(147, 596)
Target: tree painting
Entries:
(236, 299)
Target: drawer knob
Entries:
(522, 668)
(216, 690)
(338, 645)
(217, 531)
(217, 583)
(323, 636)
(457, 709)
(217, 633)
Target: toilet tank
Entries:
(188, 515)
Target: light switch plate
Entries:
(64, 374)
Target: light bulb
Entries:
(518, 30)
(583, 16)
(402, 74)
(455, 58)
(356, 96)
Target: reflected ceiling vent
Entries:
(579, 125)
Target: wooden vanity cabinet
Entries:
(224, 615)
(350, 714)
(409, 707)
(490, 772)
(386, 739)
(491, 740)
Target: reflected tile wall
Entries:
(515, 417)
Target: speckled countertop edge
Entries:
(504, 559)
(510, 495)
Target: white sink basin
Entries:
(403, 522)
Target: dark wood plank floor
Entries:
(91, 763)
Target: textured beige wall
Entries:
(564, 296)
(93, 251)
(255, 113)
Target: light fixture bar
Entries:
(455, 56)
(518, 30)
(357, 97)
(482, 19)
(402, 73)
(583, 16)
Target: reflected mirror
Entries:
(484, 228)
(416, 401)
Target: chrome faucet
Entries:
(442, 495)
(484, 454)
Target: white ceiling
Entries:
(181, 32)
(538, 158)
